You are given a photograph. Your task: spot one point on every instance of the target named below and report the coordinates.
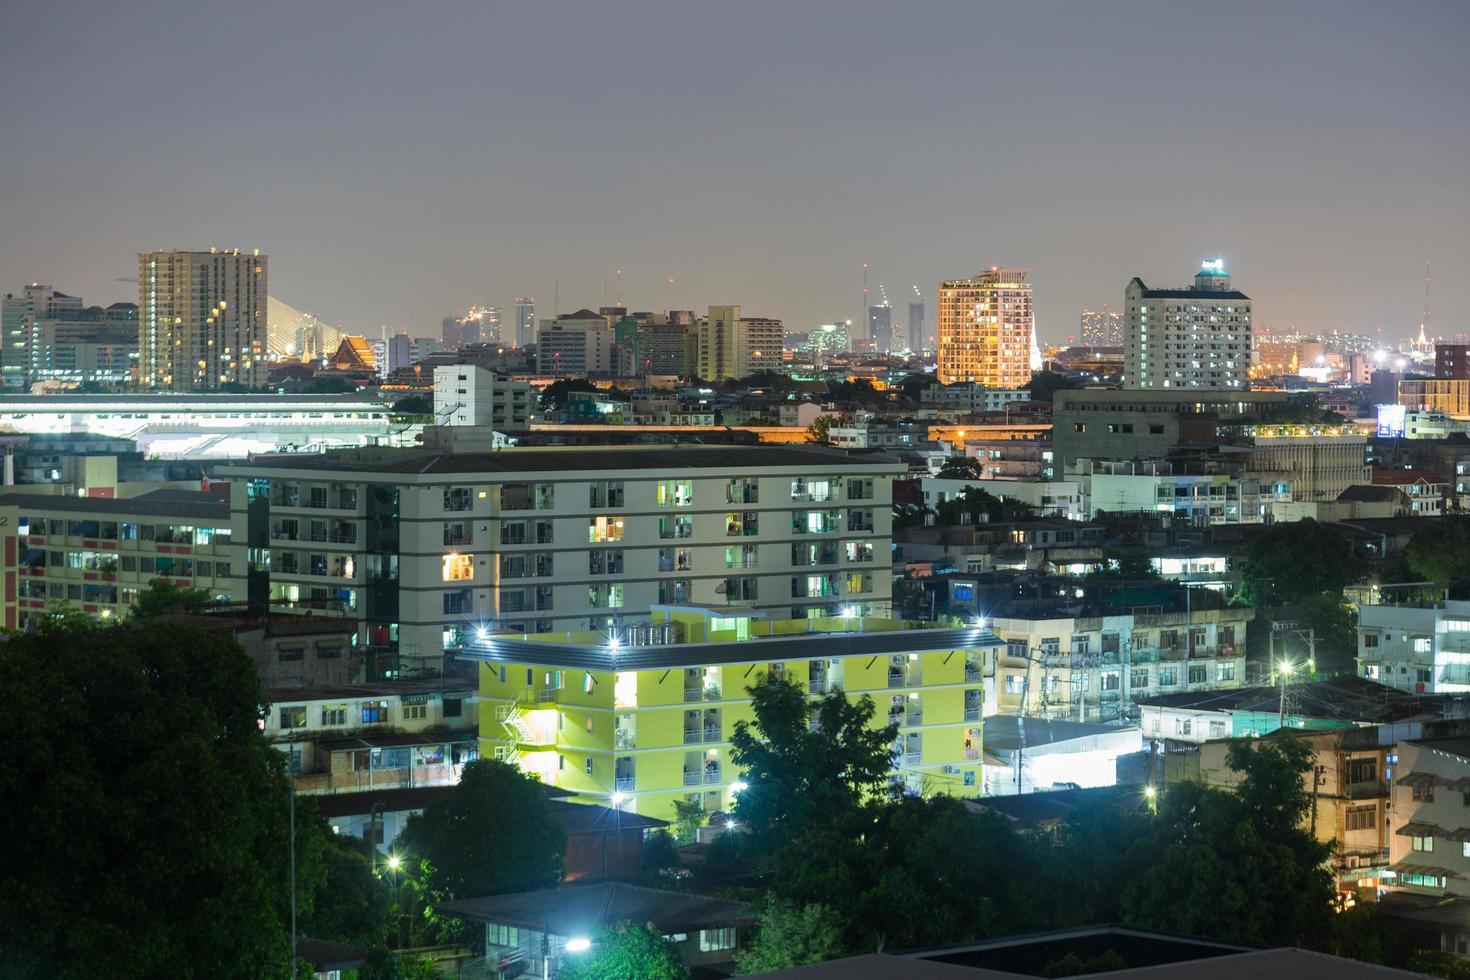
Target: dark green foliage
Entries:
(659, 854)
(554, 395)
(145, 817)
(961, 468)
(493, 835)
(354, 904)
(626, 952)
(973, 505)
(1045, 384)
(1301, 410)
(1237, 865)
(788, 936)
(414, 405)
(1125, 565)
(164, 598)
(689, 816)
(1293, 560)
(797, 778)
(1441, 551)
(1073, 965)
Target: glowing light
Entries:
(848, 612)
(1287, 667)
(614, 641)
(1150, 792)
(617, 799)
(579, 945)
(394, 862)
(481, 633)
(979, 622)
(738, 787)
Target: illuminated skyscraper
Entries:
(201, 319)
(1101, 328)
(1196, 337)
(985, 326)
(525, 321)
(880, 326)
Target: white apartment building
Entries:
(575, 345)
(421, 546)
(1429, 849)
(1416, 642)
(1196, 337)
(986, 329)
(1051, 498)
(468, 395)
(968, 398)
(1195, 499)
(1094, 668)
(201, 319)
(1319, 462)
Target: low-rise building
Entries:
(641, 718)
(468, 395)
(96, 554)
(1024, 754)
(1415, 638)
(1104, 662)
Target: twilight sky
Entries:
(397, 160)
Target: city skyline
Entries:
(1274, 157)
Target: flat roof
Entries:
(453, 684)
(1005, 731)
(591, 459)
(800, 646)
(580, 910)
(155, 503)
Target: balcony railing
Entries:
(818, 685)
(912, 758)
(693, 736)
(691, 778)
(972, 714)
(624, 784)
(972, 674)
(913, 718)
(545, 695)
(1368, 789)
(712, 774)
(623, 739)
(712, 733)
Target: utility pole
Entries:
(1317, 773)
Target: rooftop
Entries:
(155, 503)
(580, 910)
(1003, 732)
(554, 459)
(797, 646)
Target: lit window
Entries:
(458, 568)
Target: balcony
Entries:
(912, 758)
(546, 695)
(710, 692)
(691, 778)
(972, 674)
(712, 775)
(693, 736)
(624, 784)
(817, 685)
(972, 714)
(1368, 789)
(712, 733)
(913, 718)
(624, 738)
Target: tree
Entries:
(973, 505)
(414, 405)
(688, 818)
(165, 598)
(787, 937)
(355, 904)
(494, 834)
(1237, 865)
(820, 431)
(962, 468)
(554, 395)
(1124, 565)
(1045, 384)
(797, 778)
(146, 819)
(1440, 552)
(659, 854)
(626, 952)
(1292, 560)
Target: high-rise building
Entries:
(575, 345)
(727, 345)
(398, 353)
(916, 327)
(1101, 328)
(880, 326)
(1197, 337)
(985, 326)
(525, 321)
(19, 317)
(201, 319)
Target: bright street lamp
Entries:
(738, 787)
(394, 862)
(578, 945)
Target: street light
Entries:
(617, 799)
(394, 862)
(580, 944)
(737, 788)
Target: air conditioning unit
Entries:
(949, 770)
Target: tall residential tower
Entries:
(985, 327)
(201, 319)
(1193, 337)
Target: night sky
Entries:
(399, 160)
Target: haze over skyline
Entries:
(397, 162)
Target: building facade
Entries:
(468, 395)
(1415, 640)
(575, 345)
(642, 719)
(422, 546)
(96, 554)
(1095, 668)
(985, 329)
(201, 319)
(1196, 337)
